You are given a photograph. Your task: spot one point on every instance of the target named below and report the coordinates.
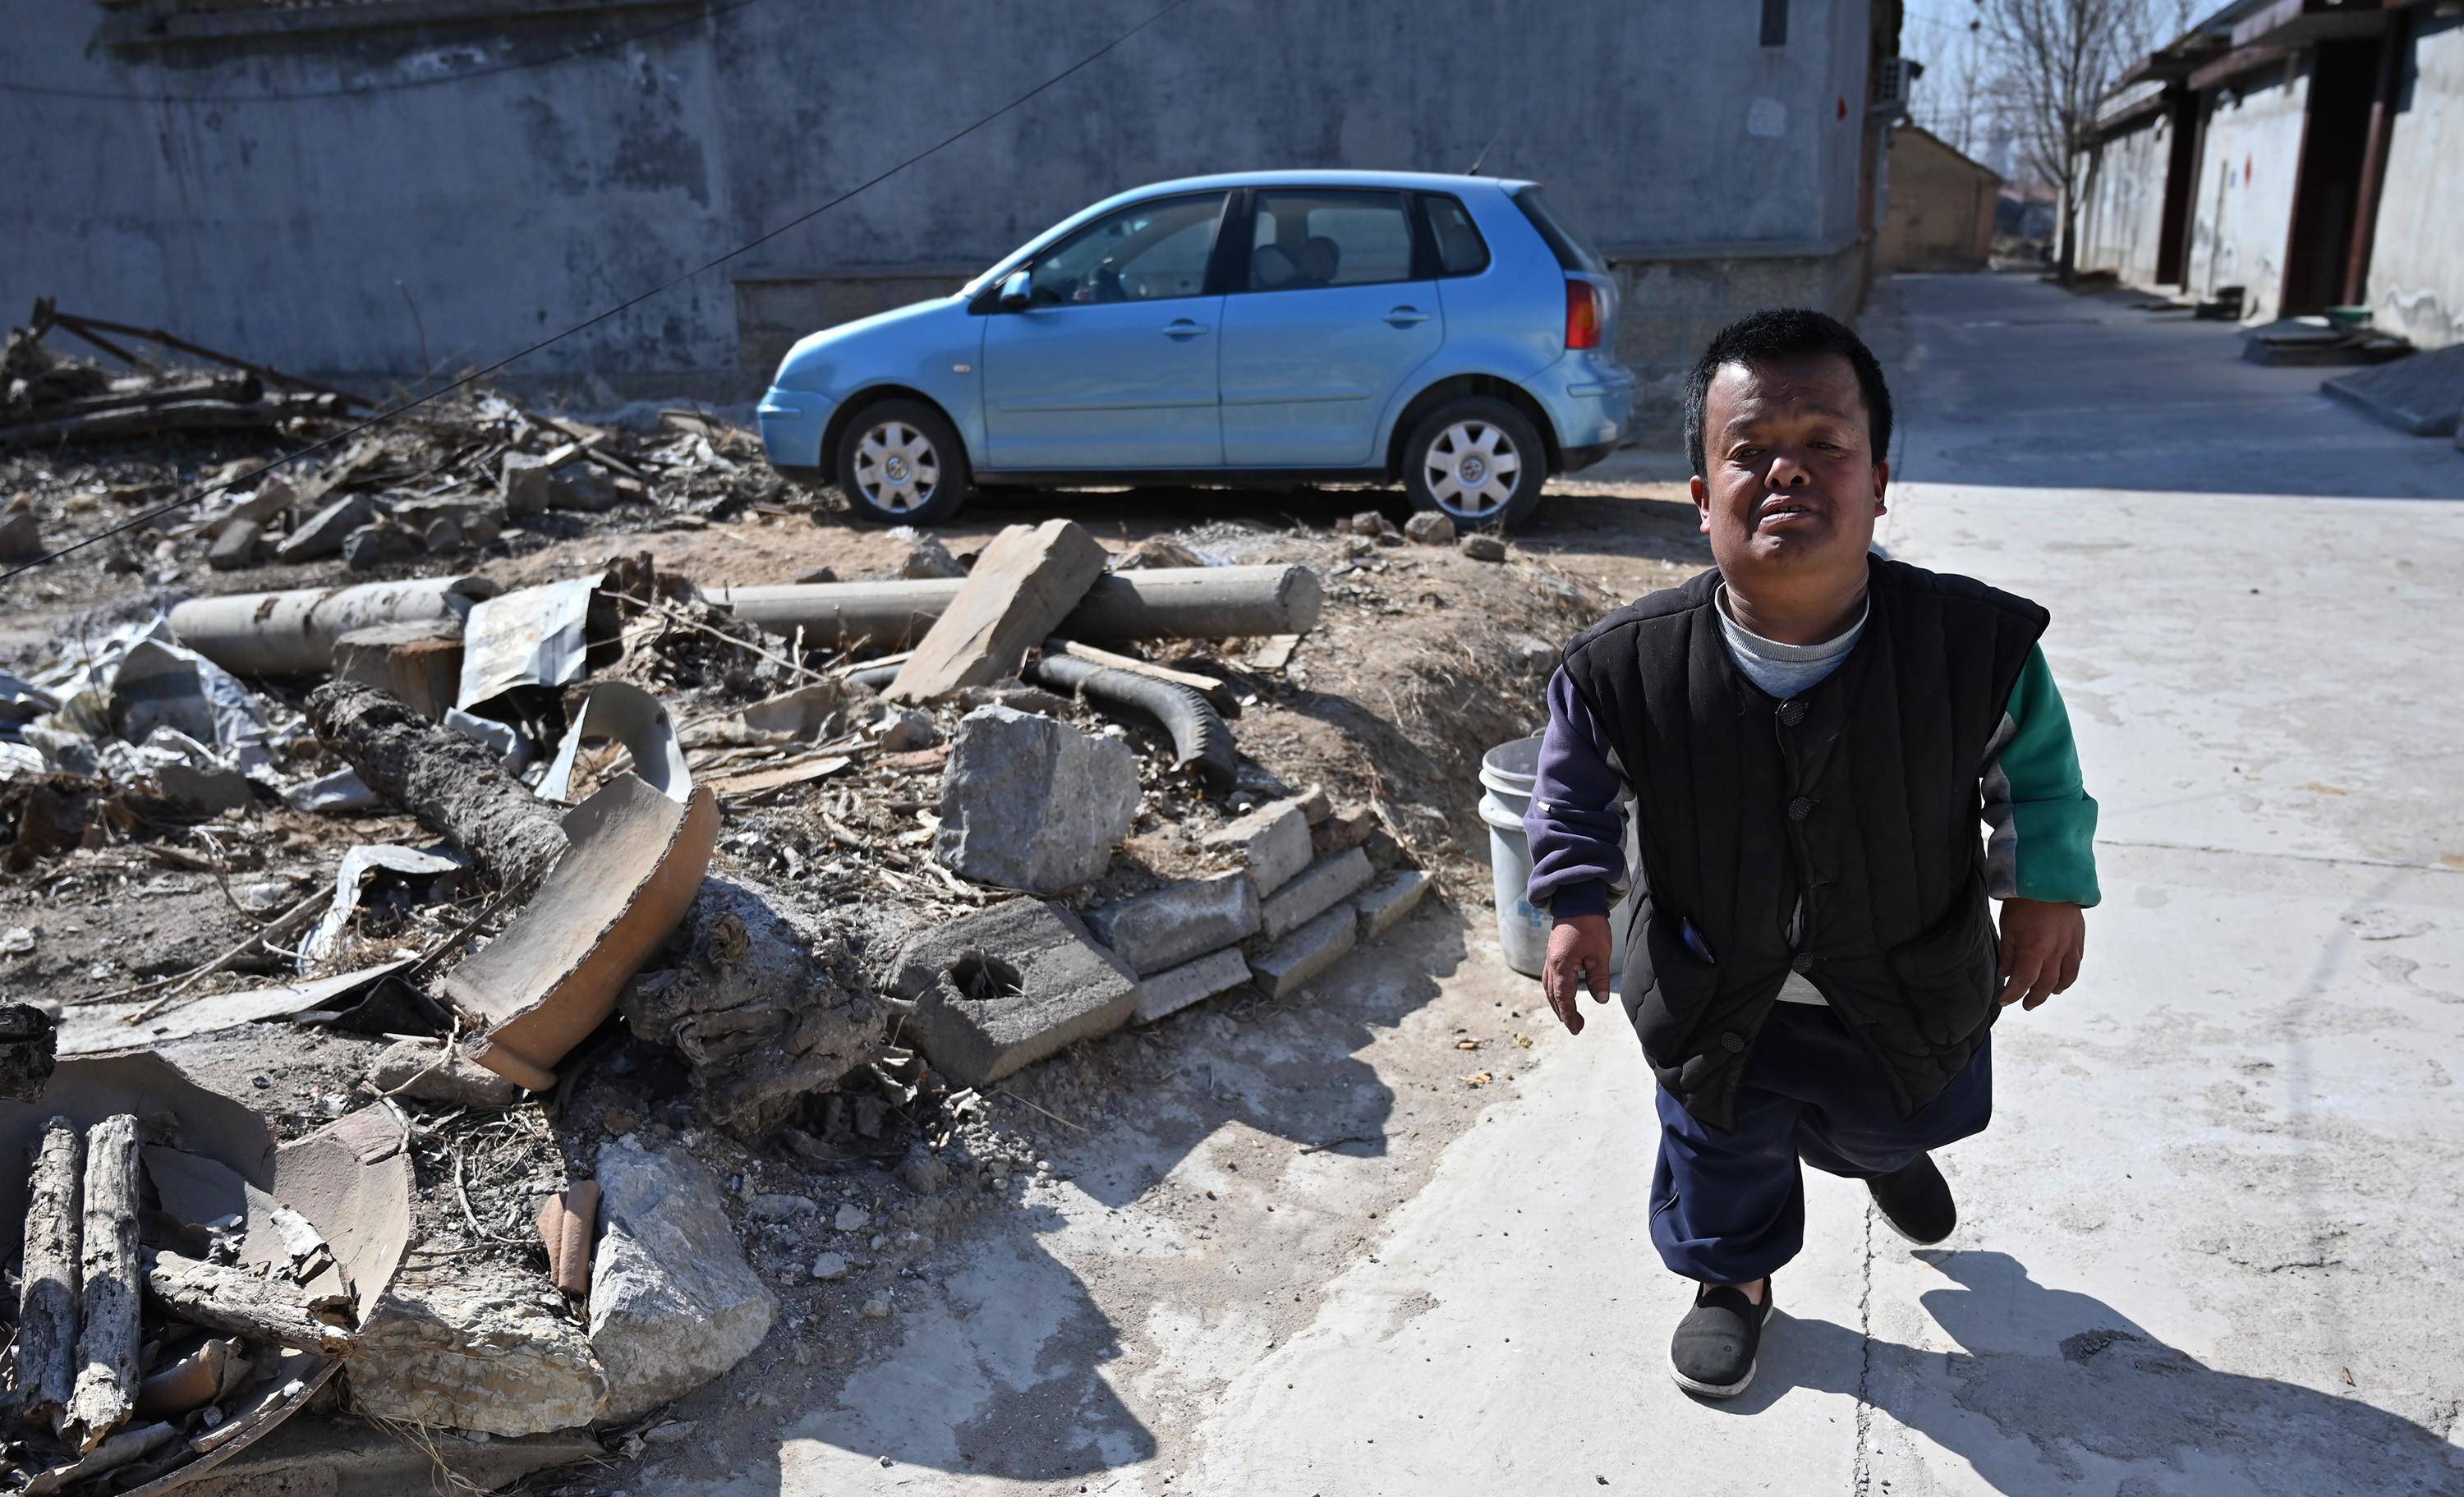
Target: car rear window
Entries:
(1574, 251)
(1460, 249)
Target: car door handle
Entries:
(1406, 317)
(1184, 327)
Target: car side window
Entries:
(1460, 249)
(1310, 239)
(1148, 251)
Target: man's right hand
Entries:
(1578, 958)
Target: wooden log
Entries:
(1168, 602)
(451, 783)
(1025, 582)
(236, 1300)
(1218, 694)
(108, 1335)
(47, 1301)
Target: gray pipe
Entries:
(1168, 602)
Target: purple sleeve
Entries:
(1576, 826)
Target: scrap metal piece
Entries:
(634, 860)
(633, 717)
(95, 1029)
(358, 864)
(538, 636)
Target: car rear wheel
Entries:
(901, 463)
(1478, 460)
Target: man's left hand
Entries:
(2041, 946)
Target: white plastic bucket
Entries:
(1506, 773)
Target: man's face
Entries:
(1791, 483)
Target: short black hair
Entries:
(1778, 333)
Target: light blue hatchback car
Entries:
(1454, 333)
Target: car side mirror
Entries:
(1015, 295)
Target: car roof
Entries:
(1426, 181)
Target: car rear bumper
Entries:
(1589, 401)
(792, 422)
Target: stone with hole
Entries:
(1004, 988)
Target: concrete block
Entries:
(1388, 900)
(1169, 926)
(1032, 802)
(491, 1350)
(1311, 895)
(1348, 827)
(379, 545)
(1272, 842)
(1171, 992)
(321, 534)
(1305, 953)
(672, 1302)
(1004, 988)
(237, 546)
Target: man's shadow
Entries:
(2087, 1389)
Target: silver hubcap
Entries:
(896, 467)
(1471, 469)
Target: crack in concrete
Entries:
(1860, 1469)
(2280, 857)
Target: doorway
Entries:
(2336, 137)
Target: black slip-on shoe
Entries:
(1712, 1353)
(1916, 1202)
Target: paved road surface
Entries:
(2211, 1242)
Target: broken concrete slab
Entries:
(1032, 802)
(1024, 585)
(419, 663)
(1300, 956)
(2422, 393)
(1170, 992)
(489, 1349)
(1169, 926)
(1272, 842)
(425, 1071)
(321, 534)
(559, 479)
(1003, 987)
(672, 1302)
(239, 545)
(1388, 900)
(1306, 897)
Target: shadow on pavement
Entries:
(2096, 1390)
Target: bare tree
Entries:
(1951, 99)
(2053, 60)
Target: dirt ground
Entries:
(1425, 658)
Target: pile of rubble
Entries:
(848, 854)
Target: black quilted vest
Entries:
(1859, 796)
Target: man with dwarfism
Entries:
(1815, 741)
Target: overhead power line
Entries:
(472, 378)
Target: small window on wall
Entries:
(1309, 240)
(1774, 23)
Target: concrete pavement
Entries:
(2209, 1243)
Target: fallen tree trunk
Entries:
(1172, 603)
(235, 1300)
(107, 1328)
(47, 1300)
(450, 782)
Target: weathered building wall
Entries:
(1941, 212)
(2122, 219)
(2243, 217)
(353, 202)
(2416, 281)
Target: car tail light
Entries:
(1582, 315)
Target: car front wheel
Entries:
(901, 463)
(1476, 460)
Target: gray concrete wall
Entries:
(2416, 284)
(2122, 216)
(2248, 162)
(307, 208)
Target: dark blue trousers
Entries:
(1729, 1207)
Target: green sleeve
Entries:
(2043, 840)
